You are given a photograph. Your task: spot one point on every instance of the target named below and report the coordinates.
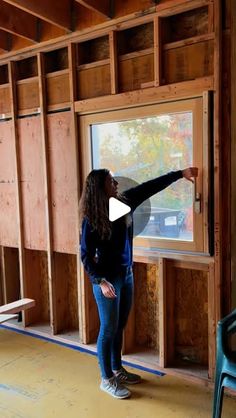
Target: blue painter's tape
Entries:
(81, 349)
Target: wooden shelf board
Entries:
(175, 7)
(41, 329)
(70, 335)
(4, 116)
(189, 41)
(27, 80)
(30, 111)
(147, 84)
(143, 354)
(59, 106)
(4, 86)
(136, 54)
(190, 369)
(57, 73)
(152, 256)
(94, 64)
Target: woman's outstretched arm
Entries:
(137, 195)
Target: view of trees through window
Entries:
(145, 148)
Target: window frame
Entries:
(199, 106)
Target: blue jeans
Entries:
(113, 314)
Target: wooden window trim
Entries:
(198, 106)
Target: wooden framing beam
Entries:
(13, 96)
(233, 150)
(18, 22)
(17, 306)
(113, 62)
(47, 190)
(218, 227)
(212, 322)
(162, 314)
(4, 41)
(157, 52)
(74, 130)
(150, 95)
(102, 6)
(173, 7)
(56, 13)
(102, 29)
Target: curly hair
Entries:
(94, 203)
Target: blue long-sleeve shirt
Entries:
(105, 258)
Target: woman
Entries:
(106, 252)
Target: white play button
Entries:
(117, 209)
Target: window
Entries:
(144, 143)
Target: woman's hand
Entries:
(190, 173)
(108, 289)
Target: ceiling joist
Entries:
(101, 6)
(57, 13)
(18, 22)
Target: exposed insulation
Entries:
(56, 60)
(135, 39)
(26, 68)
(185, 25)
(94, 50)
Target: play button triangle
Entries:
(117, 209)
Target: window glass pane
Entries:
(145, 148)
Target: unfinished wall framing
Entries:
(170, 54)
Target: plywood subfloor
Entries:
(40, 379)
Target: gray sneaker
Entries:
(114, 388)
(126, 377)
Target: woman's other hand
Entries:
(108, 289)
(190, 173)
